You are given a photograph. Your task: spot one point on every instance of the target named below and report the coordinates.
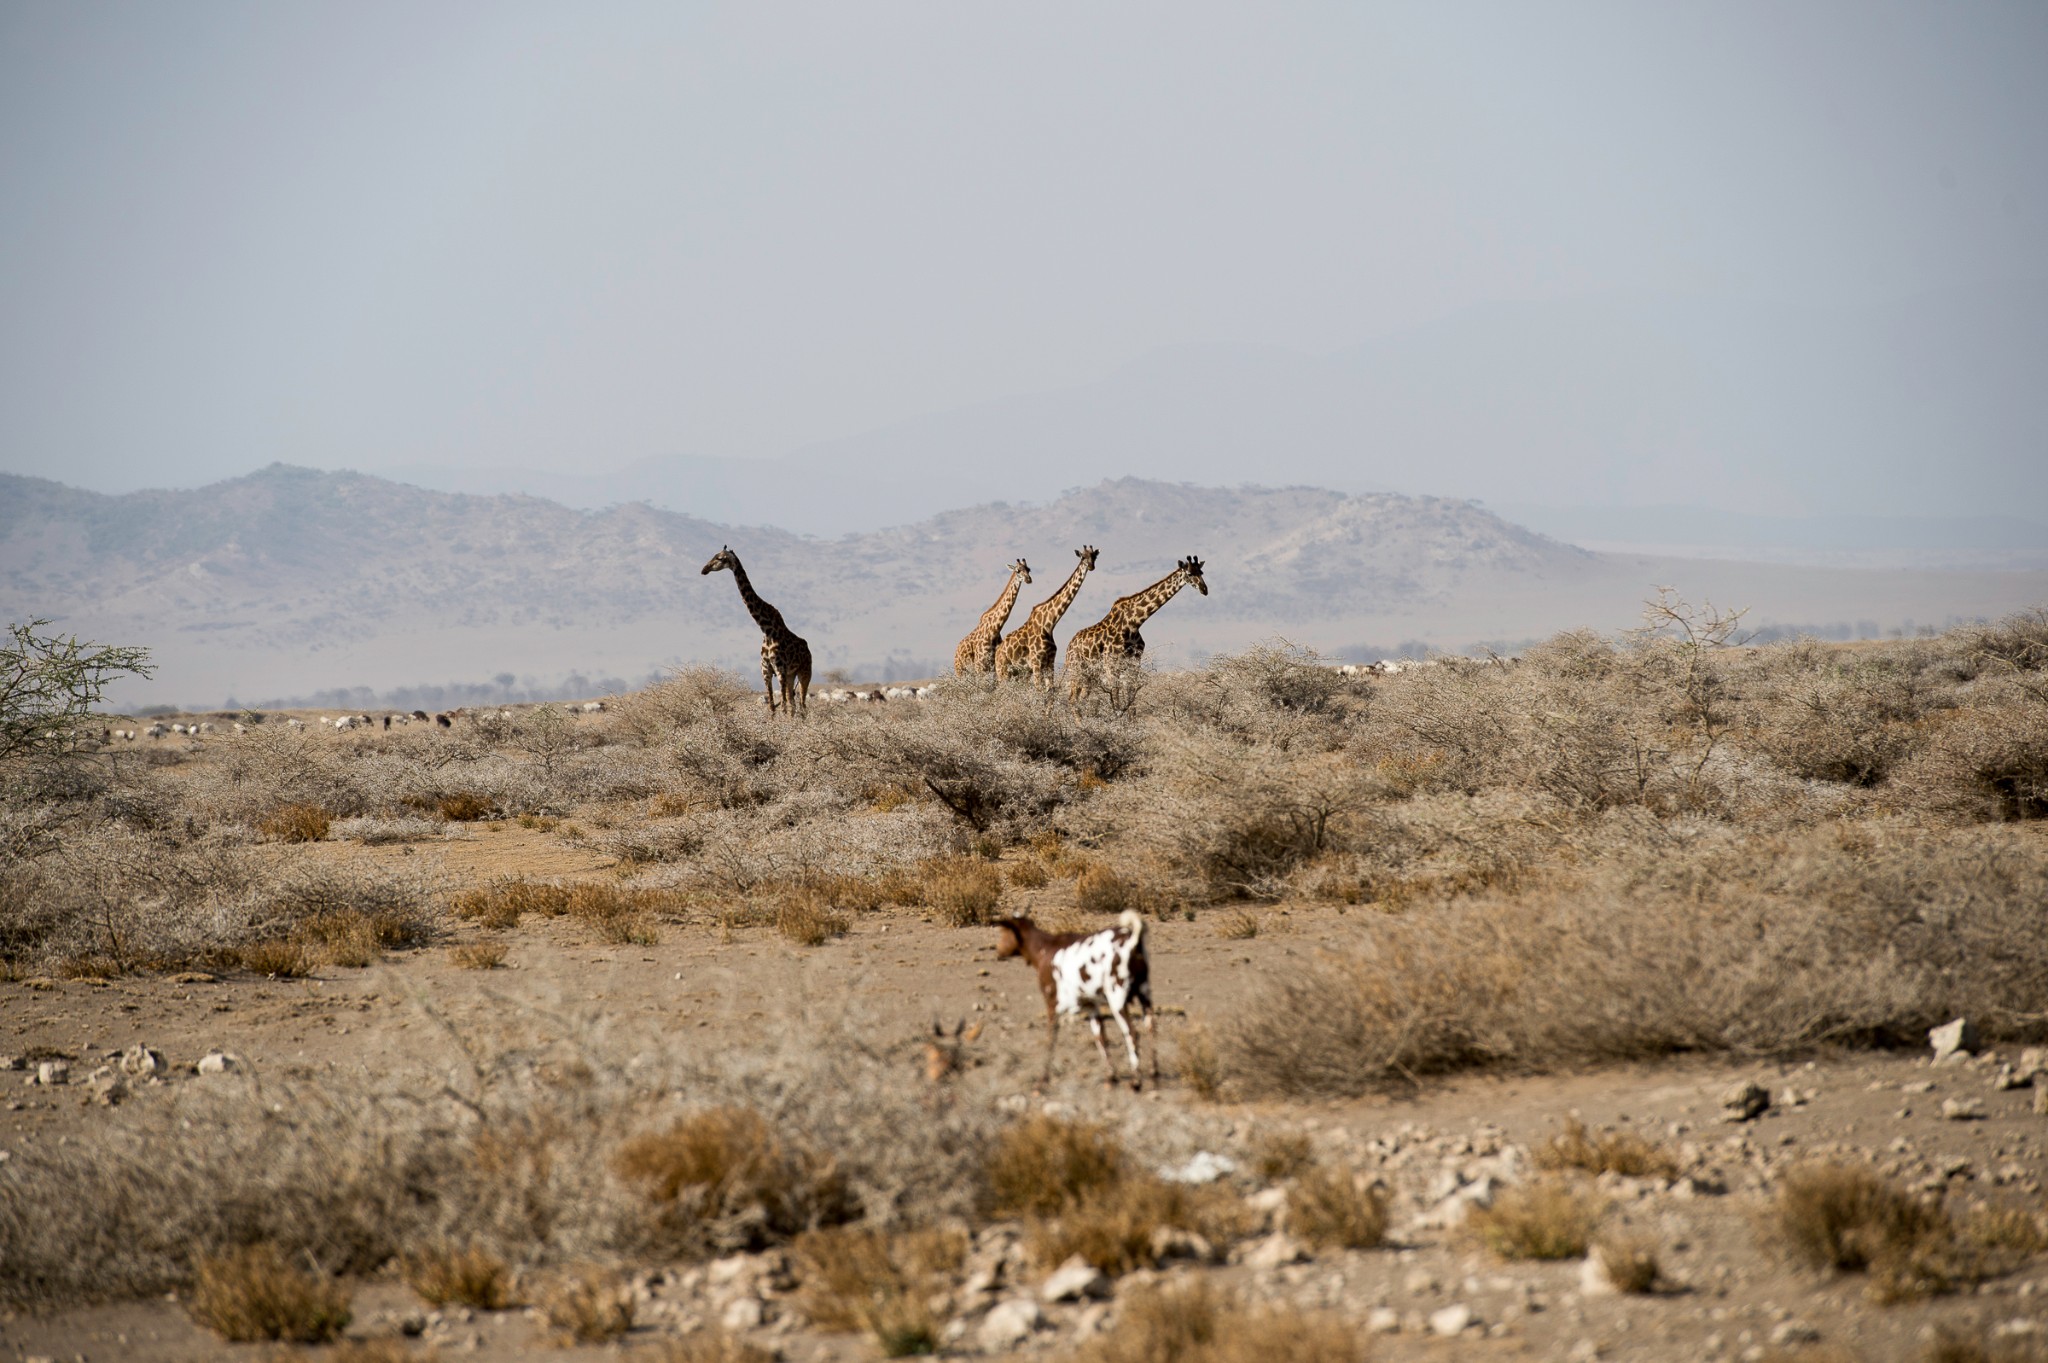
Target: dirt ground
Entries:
(1729, 1297)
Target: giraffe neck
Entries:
(765, 615)
(995, 615)
(1135, 609)
(1048, 612)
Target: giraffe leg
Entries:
(768, 680)
(803, 682)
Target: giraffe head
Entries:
(1020, 566)
(724, 558)
(1192, 566)
(1086, 553)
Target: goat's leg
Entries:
(1152, 1041)
(1101, 1045)
(1052, 1039)
(1130, 1044)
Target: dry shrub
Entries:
(725, 1174)
(467, 1276)
(296, 823)
(965, 891)
(1201, 1062)
(351, 937)
(1852, 725)
(502, 903)
(1278, 1155)
(620, 915)
(652, 845)
(1199, 1323)
(465, 806)
(2008, 1228)
(1605, 1152)
(1328, 1209)
(254, 1294)
(1718, 944)
(589, 1306)
(1849, 1219)
(1948, 1346)
(1044, 1164)
(1240, 925)
(1121, 1228)
(1098, 889)
(1545, 1219)
(1987, 762)
(1629, 1262)
(281, 960)
(858, 1279)
(1029, 874)
(479, 955)
(804, 914)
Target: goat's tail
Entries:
(1133, 924)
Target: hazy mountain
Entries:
(290, 581)
(1932, 406)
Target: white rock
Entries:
(142, 1061)
(1275, 1250)
(107, 1086)
(1962, 1109)
(730, 1269)
(1384, 1320)
(1204, 1167)
(1794, 1332)
(1952, 1039)
(217, 1062)
(1171, 1242)
(1009, 1323)
(983, 1280)
(743, 1313)
(1269, 1207)
(1452, 1320)
(53, 1072)
(1745, 1102)
(1075, 1279)
(1593, 1279)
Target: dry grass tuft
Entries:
(1850, 1220)
(859, 1279)
(281, 960)
(1605, 1152)
(804, 914)
(713, 1346)
(465, 806)
(1328, 1209)
(1201, 1062)
(1042, 1165)
(296, 823)
(1098, 889)
(1282, 1154)
(478, 955)
(725, 1173)
(1029, 874)
(502, 903)
(469, 1276)
(1948, 1346)
(1197, 1323)
(1240, 925)
(1546, 1219)
(1630, 1262)
(254, 1294)
(964, 891)
(350, 937)
(1123, 1228)
(589, 1306)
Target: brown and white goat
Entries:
(1093, 974)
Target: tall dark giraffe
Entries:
(977, 652)
(1114, 638)
(1030, 647)
(783, 652)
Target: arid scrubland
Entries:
(1605, 850)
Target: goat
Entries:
(420, 715)
(444, 721)
(1090, 974)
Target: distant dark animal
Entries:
(444, 721)
(420, 715)
(1093, 974)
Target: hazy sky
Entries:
(578, 236)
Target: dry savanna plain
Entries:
(1571, 1006)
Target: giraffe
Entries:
(1030, 647)
(1114, 638)
(977, 652)
(783, 652)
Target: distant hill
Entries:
(290, 581)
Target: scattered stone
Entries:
(1171, 1242)
(1093, 1320)
(2041, 1100)
(1794, 1332)
(1420, 1282)
(106, 1086)
(143, 1062)
(1452, 1320)
(1952, 1039)
(1274, 1251)
(743, 1313)
(217, 1062)
(1593, 1278)
(2008, 1079)
(1384, 1320)
(50, 1072)
(1205, 1167)
(1008, 1324)
(1918, 1086)
(1075, 1279)
(12, 1062)
(983, 1280)
(2034, 1060)
(1268, 1207)
(1745, 1102)
(1962, 1109)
